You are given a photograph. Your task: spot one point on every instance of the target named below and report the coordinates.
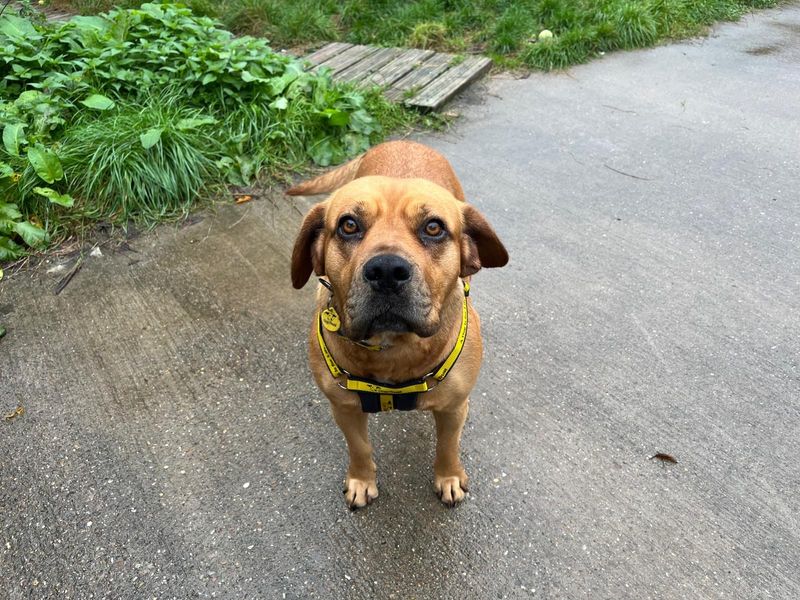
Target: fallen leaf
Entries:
(17, 412)
(665, 457)
(243, 199)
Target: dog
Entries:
(394, 246)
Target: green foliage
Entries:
(512, 30)
(282, 22)
(138, 113)
(636, 25)
(146, 161)
(505, 28)
(54, 196)
(14, 226)
(98, 102)
(567, 49)
(428, 35)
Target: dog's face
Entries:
(393, 250)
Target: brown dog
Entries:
(394, 327)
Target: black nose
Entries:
(387, 272)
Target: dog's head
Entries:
(393, 250)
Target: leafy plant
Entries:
(12, 224)
(139, 113)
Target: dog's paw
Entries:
(360, 493)
(451, 489)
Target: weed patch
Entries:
(506, 29)
(138, 113)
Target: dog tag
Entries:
(330, 319)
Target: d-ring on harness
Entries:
(377, 396)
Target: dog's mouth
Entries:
(379, 315)
(387, 323)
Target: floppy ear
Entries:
(480, 246)
(308, 247)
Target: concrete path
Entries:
(174, 446)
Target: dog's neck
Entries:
(384, 340)
(403, 356)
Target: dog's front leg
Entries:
(450, 479)
(361, 488)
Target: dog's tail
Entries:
(327, 182)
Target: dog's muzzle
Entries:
(388, 298)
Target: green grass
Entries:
(107, 166)
(141, 114)
(504, 29)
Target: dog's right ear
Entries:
(308, 253)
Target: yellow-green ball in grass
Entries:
(545, 35)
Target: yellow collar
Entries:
(362, 385)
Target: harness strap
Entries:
(377, 396)
(372, 403)
(451, 359)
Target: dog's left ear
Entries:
(480, 246)
(308, 252)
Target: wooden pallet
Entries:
(421, 78)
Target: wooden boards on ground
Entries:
(421, 78)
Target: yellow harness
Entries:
(377, 396)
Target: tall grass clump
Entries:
(148, 160)
(512, 30)
(635, 25)
(283, 23)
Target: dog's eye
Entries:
(348, 227)
(434, 229)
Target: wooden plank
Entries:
(419, 77)
(349, 57)
(50, 13)
(396, 68)
(431, 77)
(58, 15)
(363, 69)
(327, 52)
(443, 88)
